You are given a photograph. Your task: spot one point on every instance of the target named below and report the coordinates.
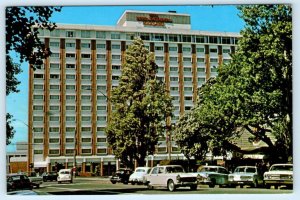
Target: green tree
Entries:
(22, 25)
(254, 91)
(141, 107)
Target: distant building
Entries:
(17, 161)
(68, 105)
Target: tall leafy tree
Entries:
(22, 25)
(141, 107)
(254, 91)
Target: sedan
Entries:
(49, 176)
(245, 175)
(18, 182)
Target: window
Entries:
(173, 38)
(54, 107)
(68, 44)
(101, 56)
(101, 151)
(173, 69)
(86, 87)
(101, 87)
(86, 97)
(70, 118)
(186, 49)
(174, 88)
(54, 87)
(54, 55)
(101, 46)
(101, 139)
(38, 151)
(70, 107)
(175, 98)
(188, 89)
(85, 107)
(70, 87)
(54, 44)
(201, 80)
(187, 78)
(225, 61)
(70, 140)
(70, 55)
(70, 129)
(214, 50)
(187, 69)
(71, 76)
(161, 69)
(86, 151)
(38, 107)
(115, 77)
(38, 129)
(116, 46)
(101, 67)
(145, 36)
(100, 128)
(85, 118)
(53, 151)
(188, 98)
(85, 45)
(86, 77)
(85, 66)
(226, 50)
(54, 66)
(226, 40)
(38, 97)
(38, 118)
(214, 69)
(116, 67)
(70, 97)
(70, 151)
(187, 108)
(85, 34)
(116, 57)
(201, 60)
(86, 139)
(186, 38)
(214, 60)
(187, 59)
(101, 77)
(54, 76)
(70, 66)
(200, 50)
(101, 118)
(38, 140)
(159, 58)
(159, 48)
(70, 34)
(85, 55)
(172, 48)
(101, 107)
(173, 78)
(158, 37)
(173, 58)
(86, 129)
(54, 118)
(39, 76)
(101, 35)
(101, 97)
(200, 39)
(53, 129)
(38, 87)
(213, 39)
(201, 69)
(115, 36)
(130, 36)
(55, 33)
(54, 97)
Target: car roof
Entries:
(284, 164)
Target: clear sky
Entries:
(205, 18)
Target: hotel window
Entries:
(70, 34)
(213, 39)
(70, 140)
(101, 118)
(130, 36)
(86, 129)
(100, 128)
(201, 80)
(101, 67)
(70, 55)
(38, 107)
(70, 118)
(86, 97)
(54, 118)
(201, 69)
(226, 61)
(85, 118)
(54, 44)
(160, 78)
(226, 40)
(159, 48)
(200, 50)
(200, 39)
(70, 151)
(70, 87)
(53, 151)
(188, 89)
(201, 60)
(85, 34)
(38, 129)
(38, 140)
(173, 49)
(55, 33)
(86, 139)
(187, 108)
(54, 65)
(173, 38)
(174, 88)
(213, 50)
(187, 78)
(38, 97)
(161, 69)
(54, 107)
(71, 76)
(116, 57)
(54, 76)
(85, 66)
(101, 87)
(173, 58)
(54, 87)
(159, 58)
(175, 98)
(86, 77)
(187, 59)
(187, 69)
(85, 55)
(38, 118)
(69, 44)
(86, 87)
(70, 129)
(101, 98)
(85, 107)
(145, 36)
(70, 66)
(173, 69)
(213, 60)
(86, 151)
(161, 149)
(39, 76)
(226, 50)
(173, 78)
(115, 36)
(54, 55)
(70, 97)
(186, 38)
(158, 37)
(116, 46)
(38, 152)
(101, 35)
(101, 151)
(101, 107)
(115, 78)
(101, 77)
(54, 97)
(101, 56)
(53, 129)
(85, 45)
(101, 139)
(38, 87)
(188, 98)
(70, 107)
(214, 69)
(101, 46)
(186, 49)
(116, 67)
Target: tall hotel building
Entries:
(68, 104)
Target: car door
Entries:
(152, 176)
(223, 176)
(161, 177)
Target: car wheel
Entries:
(37, 186)
(132, 183)
(255, 184)
(212, 184)
(59, 182)
(276, 187)
(113, 182)
(193, 187)
(241, 186)
(171, 185)
(149, 186)
(267, 186)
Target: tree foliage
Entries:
(254, 91)
(22, 25)
(141, 106)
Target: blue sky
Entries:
(206, 18)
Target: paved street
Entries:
(100, 186)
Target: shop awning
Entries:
(40, 164)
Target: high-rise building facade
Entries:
(69, 105)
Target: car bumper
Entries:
(186, 183)
(241, 182)
(279, 182)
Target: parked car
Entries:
(138, 176)
(212, 175)
(170, 176)
(246, 175)
(278, 175)
(49, 176)
(18, 182)
(65, 175)
(34, 178)
(121, 175)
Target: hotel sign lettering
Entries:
(153, 20)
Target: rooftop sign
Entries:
(153, 20)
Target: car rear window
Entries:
(140, 170)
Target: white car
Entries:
(170, 176)
(138, 176)
(246, 175)
(278, 175)
(65, 175)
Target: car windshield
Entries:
(250, 170)
(175, 169)
(139, 170)
(65, 172)
(282, 168)
(208, 169)
(16, 178)
(239, 169)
